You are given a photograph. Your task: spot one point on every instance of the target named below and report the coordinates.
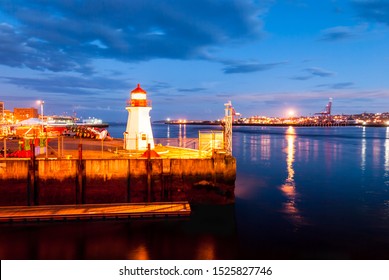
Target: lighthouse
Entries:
(138, 132)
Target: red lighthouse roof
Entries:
(138, 90)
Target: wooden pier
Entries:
(94, 211)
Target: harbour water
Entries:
(301, 193)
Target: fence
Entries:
(68, 147)
(188, 143)
(211, 140)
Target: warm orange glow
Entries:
(289, 187)
(140, 253)
(290, 131)
(206, 249)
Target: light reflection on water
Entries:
(139, 253)
(289, 187)
(386, 145)
(363, 149)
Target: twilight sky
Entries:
(192, 56)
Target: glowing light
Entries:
(291, 113)
(291, 131)
(140, 96)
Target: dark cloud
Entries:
(343, 85)
(273, 103)
(319, 72)
(302, 78)
(341, 33)
(313, 72)
(196, 89)
(156, 86)
(373, 10)
(69, 85)
(18, 50)
(66, 35)
(337, 34)
(234, 68)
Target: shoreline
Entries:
(278, 125)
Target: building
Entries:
(21, 114)
(138, 133)
(2, 115)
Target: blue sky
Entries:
(267, 57)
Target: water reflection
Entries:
(181, 134)
(363, 152)
(254, 148)
(289, 187)
(376, 153)
(386, 165)
(265, 147)
(139, 253)
(182, 131)
(206, 249)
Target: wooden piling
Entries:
(148, 174)
(80, 182)
(32, 189)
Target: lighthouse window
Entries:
(143, 136)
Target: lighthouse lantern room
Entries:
(138, 132)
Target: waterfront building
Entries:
(21, 114)
(138, 132)
(2, 116)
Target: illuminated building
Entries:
(21, 114)
(138, 132)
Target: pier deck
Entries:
(94, 211)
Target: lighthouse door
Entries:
(142, 141)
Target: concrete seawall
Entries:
(73, 181)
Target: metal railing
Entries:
(188, 143)
(210, 141)
(67, 146)
(139, 103)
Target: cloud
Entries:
(156, 86)
(196, 89)
(373, 10)
(313, 72)
(19, 50)
(340, 33)
(343, 85)
(234, 68)
(66, 35)
(224, 95)
(302, 78)
(68, 85)
(337, 33)
(319, 72)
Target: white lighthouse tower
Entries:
(138, 132)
